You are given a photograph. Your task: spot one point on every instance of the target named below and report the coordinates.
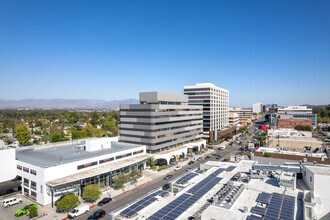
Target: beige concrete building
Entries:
(245, 115)
(233, 119)
(298, 143)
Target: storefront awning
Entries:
(99, 170)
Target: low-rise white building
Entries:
(50, 172)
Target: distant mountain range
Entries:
(64, 103)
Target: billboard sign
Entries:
(251, 145)
(264, 127)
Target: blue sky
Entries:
(269, 51)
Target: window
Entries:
(308, 212)
(310, 178)
(87, 165)
(304, 173)
(26, 182)
(33, 185)
(106, 160)
(19, 167)
(25, 169)
(33, 172)
(41, 189)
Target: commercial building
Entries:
(215, 102)
(245, 115)
(290, 123)
(292, 139)
(49, 172)
(295, 109)
(164, 122)
(233, 119)
(257, 107)
(273, 118)
(316, 195)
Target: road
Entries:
(127, 198)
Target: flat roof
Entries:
(319, 170)
(98, 170)
(52, 156)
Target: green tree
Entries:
(151, 162)
(91, 192)
(23, 134)
(33, 212)
(303, 128)
(120, 180)
(68, 202)
(134, 176)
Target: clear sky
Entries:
(274, 51)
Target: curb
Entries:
(169, 172)
(126, 192)
(92, 206)
(65, 218)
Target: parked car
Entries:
(24, 210)
(189, 169)
(169, 176)
(97, 214)
(104, 201)
(218, 158)
(177, 168)
(191, 162)
(166, 186)
(222, 147)
(199, 158)
(11, 201)
(207, 157)
(82, 209)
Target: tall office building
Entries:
(162, 121)
(257, 107)
(215, 102)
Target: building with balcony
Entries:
(233, 119)
(215, 102)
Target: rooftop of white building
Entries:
(48, 156)
(247, 198)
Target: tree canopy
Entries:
(91, 192)
(23, 134)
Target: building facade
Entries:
(295, 109)
(162, 122)
(245, 115)
(48, 173)
(291, 123)
(257, 107)
(273, 118)
(215, 102)
(233, 119)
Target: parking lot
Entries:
(8, 213)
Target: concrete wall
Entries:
(295, 157)
(7, 164)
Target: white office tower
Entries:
(257, 107)
(215, 102)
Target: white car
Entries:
(11, 201)
(177, 168)
(82, 209)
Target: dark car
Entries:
(207, 157)
(218, 158)
(97, 214)
(199, 158)
(191, 162)
(169, 176)
(104, 201)
(166, 186)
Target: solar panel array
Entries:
(254, 217)
(230, 168)
(274, 168)
(141, 204)
(279, 206)
(183, 202)
(264, 197)
(186, 178)
(217, 172)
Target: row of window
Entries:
(27, 170)
(108, 159)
